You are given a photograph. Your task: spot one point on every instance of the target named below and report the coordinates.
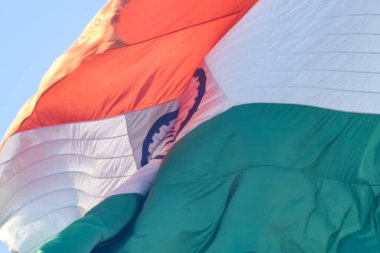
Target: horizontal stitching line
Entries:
(60, 173)
(272, 166)
(60, 155)
(299, 21)
(303, 87)
(13, 212)
(322, 53)
(59, 140)
(23, 227)
(303, 70)
(261, 43)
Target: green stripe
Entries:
(267, 178)
(101, 223)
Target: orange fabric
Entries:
(144, 20)
(166, 40)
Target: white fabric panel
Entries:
(65, 169)
(90, 130)
(318, 53)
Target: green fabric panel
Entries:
(101, 223)
(267, 178)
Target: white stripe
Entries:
(52, 168)
(51, 176)
(318, 53)
(82, 131)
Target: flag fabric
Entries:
(165, 142)
(90, 126)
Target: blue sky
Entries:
(33, 34)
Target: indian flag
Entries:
(203, 126)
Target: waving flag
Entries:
(91, 125)
(265, 142)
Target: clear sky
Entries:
(32, 35)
